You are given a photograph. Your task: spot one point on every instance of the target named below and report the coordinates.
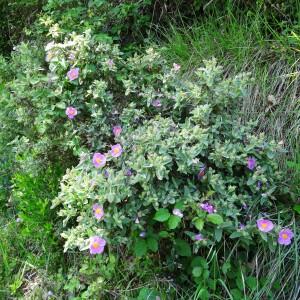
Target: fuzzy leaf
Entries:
(140, 248)
(173, 222)
(199, 223)
(197, 271)
(152, 244)
(162, 215)
(183, 248)
(215, 219)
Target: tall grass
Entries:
(28, 243)
(276, 271)
(248, 44)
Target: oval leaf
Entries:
(140, 248)
(173, 222)
(183, 248)
(162, 215)
(152, 244)
(199, 223)
(215, 219)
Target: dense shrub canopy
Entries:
(179, 150)
(159, 171)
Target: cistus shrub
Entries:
(164, 167)
(160, 164)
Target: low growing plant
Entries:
(180, 178)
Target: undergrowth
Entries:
(249, 43)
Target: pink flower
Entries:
(208, 207)
(110, 63)
(177, 212)
(117, 130)
(264, 225)
(285, 236)
(99, 160)
(98, 211)
(198, 237)
(156, 103)
(116, 150)
(176, 67)
(73, 74)
(71, 112)
(97, 245)
(242, 226)
(251, 163)
(128, 173)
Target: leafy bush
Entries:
(184, 182)
(125, 21)
(186, 175)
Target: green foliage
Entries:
(182, 143)
(164, 147)
(258, 42)
(123, 21)
(28, 241)
(14, 16)
(295, 168)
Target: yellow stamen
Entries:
(95, 245)
(98, 160)
(284, 236)
(264, 225)
(98, 211)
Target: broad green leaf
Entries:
(212, 284)
(183, 248)
(61, 105)
(218, 234)
(140, 248)
(209, 193)
(173, 222)
(251, 282)
(203, 294)
(197, 271)
(162, 215)
(149, 294)
(205, 274)
(297, 208)
(179, 205)
(199, 223)
(152, 244)
(199, 261)
(163, 234)
(271, 154)
(239, 283)
(215, 219)
(236, 234)
(236, 294)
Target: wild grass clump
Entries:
(248, 43)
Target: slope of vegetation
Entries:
(149, 151)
